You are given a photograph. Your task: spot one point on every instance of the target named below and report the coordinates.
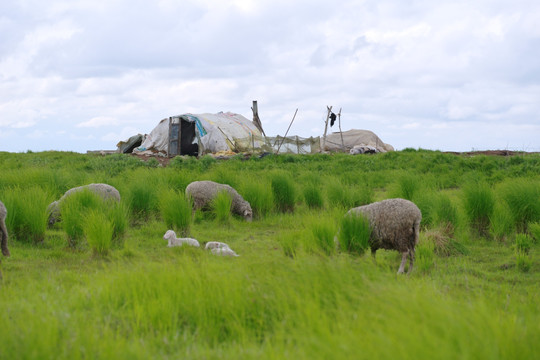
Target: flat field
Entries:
(104, 285)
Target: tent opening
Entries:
(188, 139)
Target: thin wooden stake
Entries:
(341, 132)
(287, 131)
(326, 127)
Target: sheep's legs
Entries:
(411, 260)
(403, 262)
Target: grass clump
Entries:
(176, 211)
(221, 206)
(260, 197)
(313, 196)
(523, 199)
(320, 236)
(284, 192)
(27, 213)
(534, 230)
(354, 234)
(425, 256)
(479, 203)
(76, 208)
(99, 232)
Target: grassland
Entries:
(474, 292)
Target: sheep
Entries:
(170, 236)
(219, 248)
(203, 192)
(107, 192)
(3, 230)
(395, 225)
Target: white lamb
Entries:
(219, 248)
(170, 236)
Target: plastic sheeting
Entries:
(214, 133)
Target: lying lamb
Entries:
(395, 225)
(107, 192)
(3, 230)
(203, 192)
(170, 236)
(219, 248)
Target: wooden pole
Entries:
(256, 119)
(326, 127)
(287, 131)
(341, 132)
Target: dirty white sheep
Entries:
(219, 248)
(395, 225)
(3, 230)
(170, 236)
(107, 192)
(203, 192)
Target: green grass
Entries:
(292, 293)
(176, 211)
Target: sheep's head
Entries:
(54, 212)
(247, 213)
(169, 235)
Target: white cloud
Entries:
(417, 74)
(99, 121)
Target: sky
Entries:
(440, 75)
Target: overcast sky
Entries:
(442, 75)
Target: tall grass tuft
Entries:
(523, 199)
(284, 192)
(99, 232)
(74, 209)
(260, 197)
(27, 213)
(534, 230)
(320, 237)
(446, 214)
(408, 186)
(221, 206)
(290, 244)
(354, 234)
(425, 256)
(479, 203)
(523, 247)
(176, 211)
(313, 196)
(141, 195)
(501, 223)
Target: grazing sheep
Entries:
(104, 190)
(3, 230)
(219, 248)
(170, 236)
(203, 192)
(395, 225)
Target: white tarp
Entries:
(352, 138)
(214, 133)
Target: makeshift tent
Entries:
(352, 138)
(197, 134)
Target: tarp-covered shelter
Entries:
(346, 140)
(198, 134)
